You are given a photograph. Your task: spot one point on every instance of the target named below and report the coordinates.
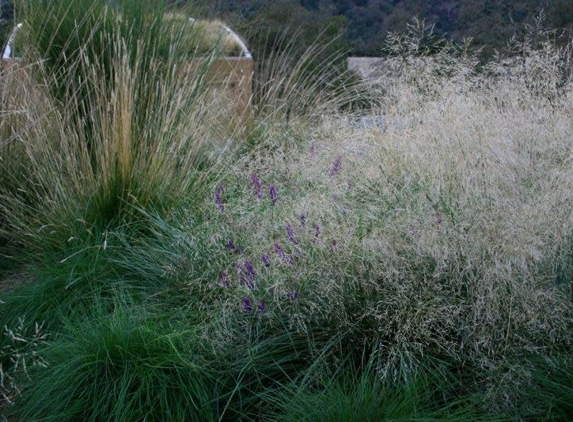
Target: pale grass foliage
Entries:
(451, 219)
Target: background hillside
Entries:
(365, 23)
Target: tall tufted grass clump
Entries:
(112, 113)
(105, 114)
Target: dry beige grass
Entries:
(452, 218)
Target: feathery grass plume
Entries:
(144, 142)
(492, 163)
(291, 83)
(292, 87)
(131, 124)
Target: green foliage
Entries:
(359, 394)
(20, 350)
(123, 367)
(552, 389)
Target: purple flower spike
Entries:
(317, 231)
(302, 219)
(219, 201)
(246, 276)
(285, 257)
(266, 260)
(292, 295)
(256, 185)
(231, 246)
(247, 305)
(278, 249)
(290, 232)
(262, 307)
(312, 150)
(336, 166)
(273, 194)
(250, 270)
(224, 280)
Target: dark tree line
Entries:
(365, 23)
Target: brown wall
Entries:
(232, 78)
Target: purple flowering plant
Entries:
(282, 254)
(256, 185)
(292, 295)
(336, 166)
(290, 233)
(247, 305)
(232, 247)
(250, 270)
(219, 201)
(262, 308)
(317, 231)
(273, 194)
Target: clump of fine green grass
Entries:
(551, 389)
(360, 394)
(162, 362)
(121, 367)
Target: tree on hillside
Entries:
(6, 21)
